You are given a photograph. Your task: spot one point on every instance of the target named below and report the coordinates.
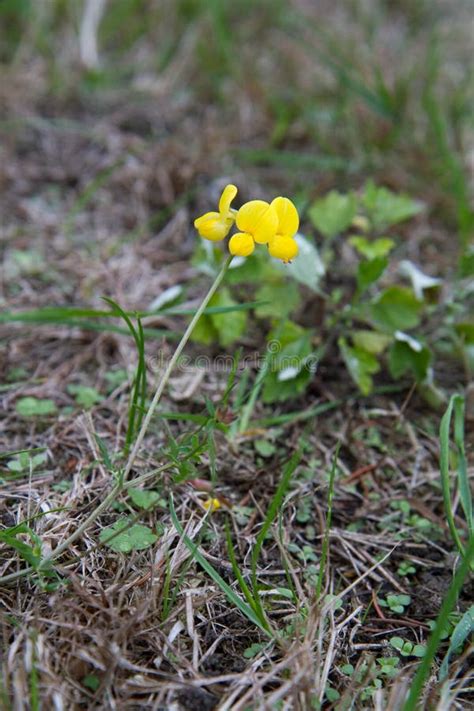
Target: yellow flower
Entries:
(214, 226)
(211, 504)
(283, 245)
(259, 220)
(274, 224)
(284, 248)
(241, 244)
(288, 219)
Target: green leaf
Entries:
(291, 366)
(333, 213)
(408, 355)
(397, 642)
(307, 268)
(419, 650)
(204, 331)
(361, 365)
(230, 326)
(143, 499)
(463, 630)
(371, 341)
(225, 327)
(264, 447)
(370, 249)
(124, 538)
(465, 331)
(332, 694)
(466, 264)
(26, 551)
(396, 309)
(281, 297)
(254, 649)
(369, 272)
(385, 208)
(33, 407)
(91, 681)
(84, 395)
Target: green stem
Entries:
(170, 367)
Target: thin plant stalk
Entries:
(166, 375)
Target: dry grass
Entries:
(99, 193)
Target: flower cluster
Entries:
(274, 224)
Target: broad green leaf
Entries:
(370, 249)
(224, 327)
(307, 268)
(264, 447)
(84, 395)
(333, 213)
(230, 326)
(281, 298)
(91, 681)
(369, 272)
(33, 407)
(385, 208)
(134, 537)
(205, 331)
(465, 331)
(290, 367)
(407, 355)
(396, 309)
(25, 462)
(360, 364)
(143, 499)
(371, 341)
(254, 649)
(250, 269)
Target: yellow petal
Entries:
(228, 194)
(212, 226)
(284, 248)
(288, 219)
(212, 504)
(241, 244)
(259, 219)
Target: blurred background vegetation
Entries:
(314, 94)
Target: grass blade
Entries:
(456, 406)
(269, 518)
(416, 689)
(244, 608)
